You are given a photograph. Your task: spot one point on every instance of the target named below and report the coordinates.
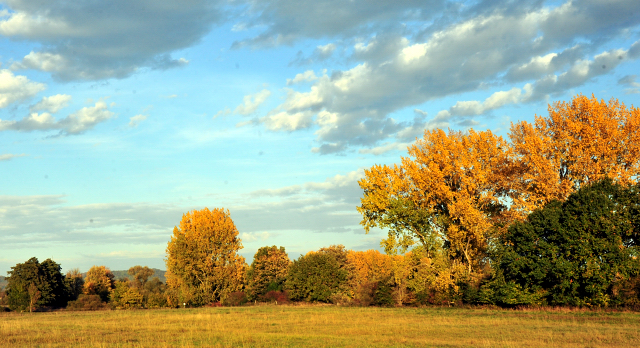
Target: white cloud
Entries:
(250, 103)
(325, 51)
(352, 107)
(224, 112)
(306, 76)
(254, 236)
(89, 40)
(44, 61)
(495, 101)
(8, 156)
(135, 120)
(384, 148)
(323, 206)
(86, 118)
(76, 123)
(35, 220)
(287, 121)
(51, 104)
(16, 88)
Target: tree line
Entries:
(550, 216)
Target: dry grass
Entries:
(322, 326)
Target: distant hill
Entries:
(3, 282)
(123, 274)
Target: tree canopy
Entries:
(459, 191)
(99, 281)
(35, 284)
(202, 260)
(573, 252)
(268, 271)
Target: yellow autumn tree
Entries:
(99, 281)
(447, 195)
(368, 272)
(579, 143)
(202, 261)
(457, 190)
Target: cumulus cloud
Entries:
(352, 107)
(51, 104)
(250, 103)
(462, 110)
(16, 88)
(306, 76)
(90, 40)
(76, 123)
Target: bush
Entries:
(375, 293)
(236, 298)
(276, 296)
(87, 303)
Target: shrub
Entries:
(276, 296)
(87, 303)
(236, 298)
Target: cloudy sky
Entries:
(116, 117)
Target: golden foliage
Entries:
(368, 266)
(456, 190)
(455, 179)
(202, 260)
(99, 281)
(579, 143)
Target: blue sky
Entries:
(116, 117)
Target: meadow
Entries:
(322, 326)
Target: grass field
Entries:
(322, 326)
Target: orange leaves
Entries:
(580, 142)
(369, 266)
(454, 178)
(455, 189)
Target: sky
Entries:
(117, 117)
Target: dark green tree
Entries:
(318, 276)
(45, 281)
(74, 283)
(571, 253)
